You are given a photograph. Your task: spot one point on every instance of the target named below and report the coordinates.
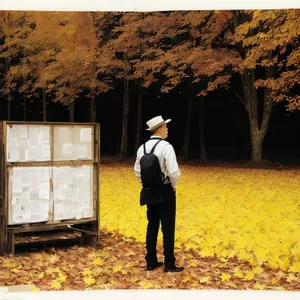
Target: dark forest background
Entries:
(226, 124)
(229, 80)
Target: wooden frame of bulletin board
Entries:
(49, 183)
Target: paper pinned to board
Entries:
(14, 155)
(34, 135)
(44, 191)
(17, 185)
(67, 149)
(45, 152)
(81, 151)
(22, 131)
(85, 134)
(73, 197)
(29, 188)
(28, 143)
(35, 207)
(45, 134)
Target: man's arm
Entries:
(172, 165)
(137, 167)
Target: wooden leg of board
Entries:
(11, 243)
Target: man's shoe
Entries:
(173, 269)
(152, 267)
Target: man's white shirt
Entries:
(167, 158)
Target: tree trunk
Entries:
(187, 133)
(257, 131)
(93, 109)
(44, 105)
(250, 102)
(9, 96)
(138, 139)
(72, 111)
(124, 140)
(9, 108)
(256, 146)
(24, 107)
(203, 152)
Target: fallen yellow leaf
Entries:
(98, 261)
(239, 274)
(186, 279)
(146, 285)
(291, 278)
(62, 277)
(205, 279)
(117, 269)
(258, 270)
(87, 272)
(55, 284)
(89, 280)
(249, 275)
(225, 277)
(258, 286)
(295, 267)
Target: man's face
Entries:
(164, 131)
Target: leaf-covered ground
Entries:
(118, 263)
(250, 214)
(236, 229)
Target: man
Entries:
(161, 201)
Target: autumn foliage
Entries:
(71, 55)
(68, 50)
(235, 229)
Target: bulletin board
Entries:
(50, 172)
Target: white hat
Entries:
(156, 122)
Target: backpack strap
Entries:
(152, 150)
(155, 146)
(155, 138)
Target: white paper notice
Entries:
(28, 190)
(87, 212)
(44, 192)
(78, 214)
(45, 133)
(67, 149)
(34, 153)
(85, 134)
(18, 211)
(44, 210)
(17, 185)
(24, 143)
(45, 152)
(59, 210)
(73, 192)
(14, 155)
(13, 143)
(82, 151)
(23, 131)
(35, 207)
(34, 135)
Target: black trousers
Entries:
(164, 213)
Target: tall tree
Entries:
(29, 47)
(257, 47)
(74, 70)
(116, 61)
(149, 48)
(61, 65)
